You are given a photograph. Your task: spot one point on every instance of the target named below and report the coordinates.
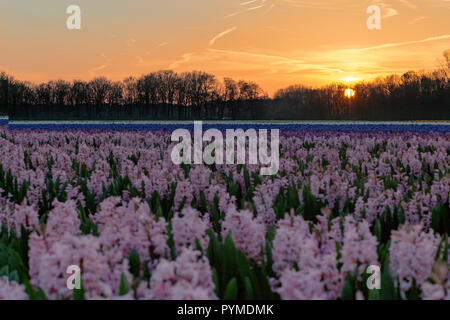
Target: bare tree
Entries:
(199, 89)
(115, 94)
(249, 90)
(231, 89)
(130, 90)
(181, 91)
(43, 94)
(445, 64)
(147, 86)
(79, 93)
(60, 92)
(100, 89)
(167, 85)
(4, 80)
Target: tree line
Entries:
(199, 95)
(190, 89)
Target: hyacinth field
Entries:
(140, 227)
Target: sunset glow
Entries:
(349, 93)
(275, 43)
(350, 79)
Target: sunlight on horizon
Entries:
(349, 93)
(350, 79)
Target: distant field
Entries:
(342, 126)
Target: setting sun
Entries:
(349, 93)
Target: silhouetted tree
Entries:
(100, 90)
(196, 94)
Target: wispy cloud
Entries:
(220, 35)
(273, 58)
(390, 12)
(243, 11)
(419, 19)
(248, 2)
(408, 4)
(185, 58)
(387, 8)
(254, 61)
(398, 44)
(262, 4)
(103, 66)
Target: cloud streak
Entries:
(261, 5)
(220, 35)
(185, 59)
(248, 2)
(390, 12)
(265, 63)
(399, 44)
(103, 66)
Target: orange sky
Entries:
(273, 42)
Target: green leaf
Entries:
(32, 294)
(246, 178)
(4, 272)
(78, 294)
(294, 201)
(203, 206)
(435, 219)
(14, 276)
(135, 263)
(374, 294)
(229, 257)
(248, 289)
(347, 290)
(198, 246)
(231, 290)
(387, 285)
(147, 274)
(124, 285)
(311, 208)
(215, 278)
(243, 265)
(377, 230)
(440, 218)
